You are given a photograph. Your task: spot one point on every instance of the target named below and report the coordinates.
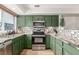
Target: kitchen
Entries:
(40, 29)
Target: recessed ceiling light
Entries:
(36, 5)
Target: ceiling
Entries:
(43, 9)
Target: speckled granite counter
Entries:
(10, 37)
(67, 41)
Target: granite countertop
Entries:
(67, 41)
(10, 37)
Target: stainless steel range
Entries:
(38, 36)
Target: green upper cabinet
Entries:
(47, 21)
(38, 18)
(28, 21)
(20, 21)
(55, 21)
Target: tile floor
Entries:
(39, 52)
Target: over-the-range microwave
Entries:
(38, 23)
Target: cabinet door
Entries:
(18, 44)
(20, 21)
(54, 45)
(47, 21)
(48, 41)
(28, 21)
(23, 41)
(51, 43)
(29, 41)
(38, 18)
(55, 21)
(58, 47)
(15, 48)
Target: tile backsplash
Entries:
(27, 30)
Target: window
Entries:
(7, 21)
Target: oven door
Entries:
(38, 40)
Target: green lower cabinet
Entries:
(51, 43)
(54, 45)
(15, 47)
(66, 52)
(58, 47)
(70, 50)
(58, 50)
(61, 48)
(18, 45)
(22, 43)
(47, 41)
(28, 43)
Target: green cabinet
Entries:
(28, 43)
(18, 45)
(15, 46)
(21, 21)
(38, 18)
(48, 20)
(22, 42)
(28, 21)
(70, 50)
(47, 41)
(61, 48)
(53, 44)
(55, 21)
(58, 47)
